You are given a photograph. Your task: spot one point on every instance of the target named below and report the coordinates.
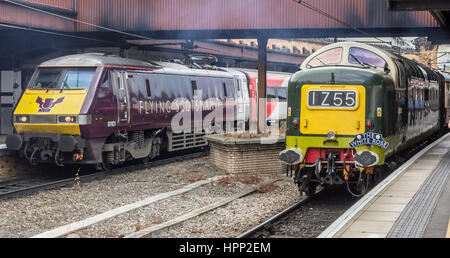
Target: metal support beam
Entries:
(418, 5)
(45, 7)
(262, 81)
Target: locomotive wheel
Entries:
(106, 166)
(311, 189)
(308, 187)
(144, 160)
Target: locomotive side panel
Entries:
(105, 110)
(324, 145)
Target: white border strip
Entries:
(148, 231)
(64, 230)
(347, 217)
(2, 146)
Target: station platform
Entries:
(413, 202)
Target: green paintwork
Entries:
(380, 92)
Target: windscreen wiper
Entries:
(311, 66)
(361, 63)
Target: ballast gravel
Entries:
(33, 214)
(237, 217)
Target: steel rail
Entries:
(276, 218)
(27, 187)
(354, 211)
(266, 224)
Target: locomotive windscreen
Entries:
(65, 79)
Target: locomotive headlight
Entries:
(67, 119)
(70, 119)
(80, 119)
(331, 135)
(22, 119)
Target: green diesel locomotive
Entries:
(353, 105)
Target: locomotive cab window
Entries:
(225, 92)
(238, 88)
(359, 55)
(119, 82)
(330, 57)
(282, 94)
(77, 79)
(271, 94)
(147, 87)
(276, 94)
(194, 87)
(67, 79)
(105, 83)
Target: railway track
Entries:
(305, 219)
(310, 216)
(15, 187)
(258, 230)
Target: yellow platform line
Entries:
(448, 230)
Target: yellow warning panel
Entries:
(51, 102)
(333, 108)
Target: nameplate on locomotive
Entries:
(369, 139)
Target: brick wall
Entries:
(247, 158)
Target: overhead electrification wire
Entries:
(444, 53)
(317, 10)
(75, 20)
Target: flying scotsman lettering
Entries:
(178, 105)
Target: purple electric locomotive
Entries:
(104, 110)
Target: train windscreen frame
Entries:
(365, 57)
(62, 79)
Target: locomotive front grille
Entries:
(43, 119)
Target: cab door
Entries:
(122, 96)
(239, 99)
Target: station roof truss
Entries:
(199, 19)
(439, 9)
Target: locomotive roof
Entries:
(100, 59)
(446, 75)
(412, 67)
(345, 46)
(96, 59)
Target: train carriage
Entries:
(352, 106)
(105, 110)
(446, 97)
(276, 94)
